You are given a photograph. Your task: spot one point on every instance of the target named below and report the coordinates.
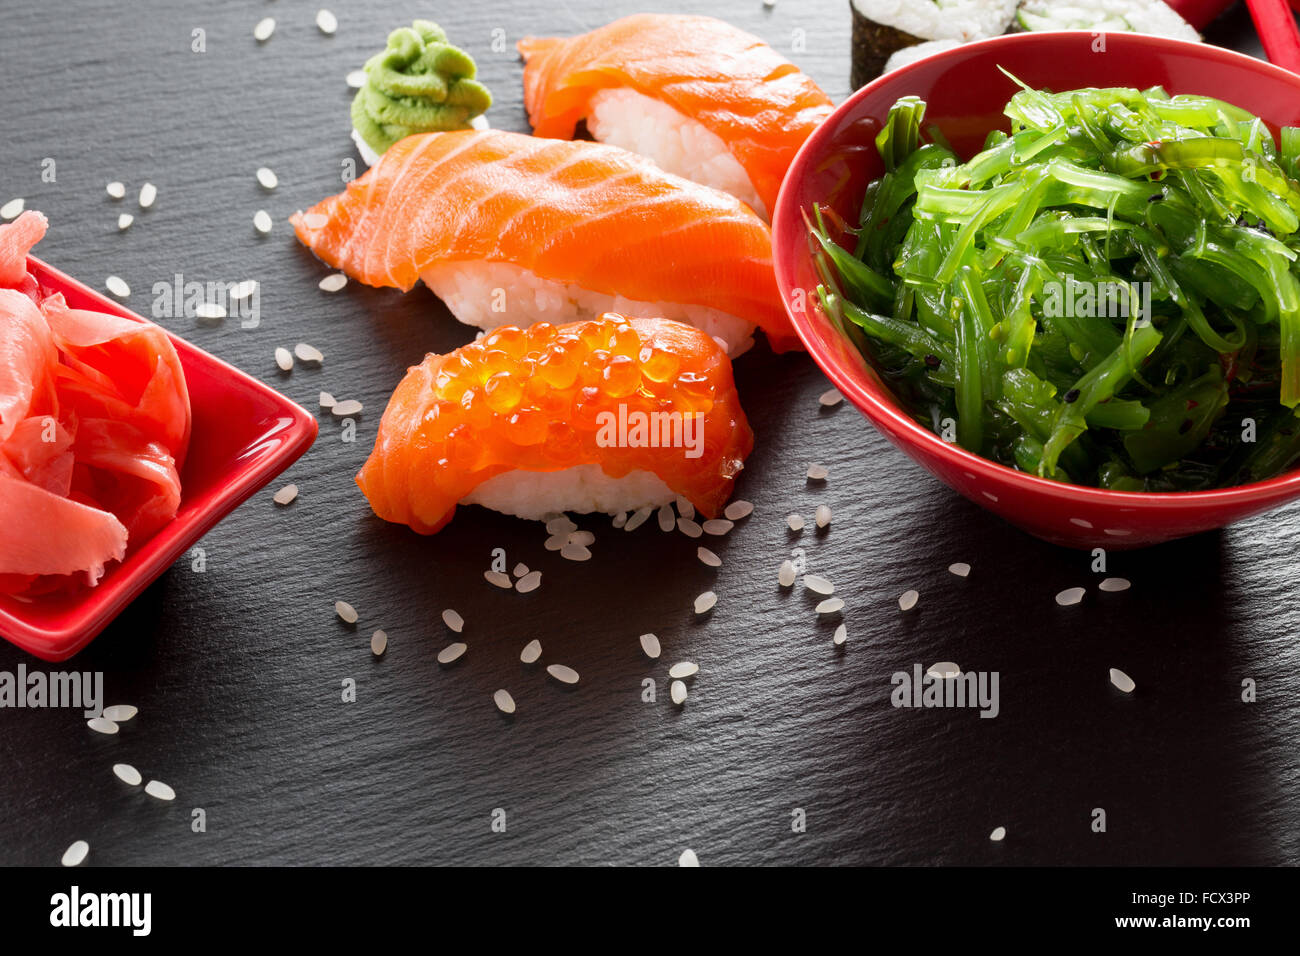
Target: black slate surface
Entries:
(237, 670)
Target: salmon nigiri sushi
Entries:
(700, 97)
(608, 415)
(507, 227)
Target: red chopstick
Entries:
(1277, 32)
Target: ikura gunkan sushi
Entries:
(511, 228)
(704, 100)
(606, 415)
(94, 426)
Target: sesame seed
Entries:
(717, 526)
(148, 194)
(678, 692)
(263, 30)
(120, 713)
(505, 703)
(818, 584)
(266, 178)
(356, 79)
(786, 575)
(737, 510)
(452, 653)
(124, 221)
(689, 527)
(705, 602)
(685, 508)
(830, 606)
(532, 650)
(818, 472)
(998, 835)
(830, 399)
(529, 581)
(326, 22)
(565, 675)
(115, 285)
(708, 557)
(332, 282)
(666, 520)
(346, 408)
(822, 516)
(1122, 680)
(284, 359)
(102, 725)
(1070, 596)
(637, 519)
(285, 495)
(841, 634)
(262, 222)
(960, 568)
(1114, 584)
(688, 858)
(650, 645)
(499, 579)
(346, 612)
(453, 620)
(378, 643)
(75, 855)
(127, 774)
(159, 790)
(795, 522)
(115, 190)
(907, 600)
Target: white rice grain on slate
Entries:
(684, 669)
(266, 178)
(831, 606)
(1122, 680)
(452, 652)
(998, 835)
(650, 645)
(115, 285)
(453, 620)
(822, 516)
(505, 703)
(127, 774)
(378, 643)
(263, 222)
(795, 522)
(263, 29)
(356, 79)
(638, 518)
(115, 190)
(841, 634)
(284, 359)
(688, 858)
(705, 602)
(346, 612)
(124, 221)
(959, 568)
(737, 510)
(907, 600)
(308, 353)
(286, 495)
(678, 692)
(786, 575)
(148, 195)
(332, 282)
(818, 472)
(689, 527)
(532, 650)
(159, 790)
(498, 579)
(120, 713)
(1114, 585)
(666, 520)
(102, 725)
(12, 209)
(830, 398)
(708, 557)
(944, 670)
(529, 582)
(575, 552)
(326, 22)
(717, 526)
(1070, 596)
(685, 508)
(565, 675)
(347, 407)
(818, 584)
(76, 854)
(209, 310)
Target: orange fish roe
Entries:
(612, 392)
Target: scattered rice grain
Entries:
(998, 835)
(115, 285)
(620, 519)
(684, 669)
(650, 645)
(795, 522)
(822, 516)
(345, 408)
(124, 221)
(505, 703)
(688, 858)
(689, 527)
(262, 222)
(327, 401)
(356, 79)
(818, 472)
(581, 537)
(1122, 680)
(678, 692)
(708, 557)
(666, 520)
(452, 653)
(685, 508)
(499, 579)
(127, 774)
(326, 22)
(284, 359)
(115, 190)
(555, 542)
(575, 552)
(148, 195)
(944, 670)
(738, 509)
(210, 311)
(12, 208)
(530, 581)
(560, 525)
(266, 178)
(565, 675)
(332, 282)
(102, 725)
(717, 526)
(831, 606)
(705, 602)
(532, 650)
(841, 634)
(959, 568)
(830, 398)
(75, 855)
(159, 790)
(308, 353)
(378, 643)
(120, 713)
(786, 575)
(1070, 596)
(907, 600)
(346, 612)
(1114, 584)
(243, 290)
(818, 584)
(453, 620)
(263, 29)
(638, 518)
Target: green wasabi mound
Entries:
(419, 84)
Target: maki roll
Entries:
(1114, 16)
(883, 27)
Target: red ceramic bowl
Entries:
(244, 435)
(965, 93)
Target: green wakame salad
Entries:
(1109, 295)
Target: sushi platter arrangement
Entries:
(594, 285)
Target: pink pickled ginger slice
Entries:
(45, 534)
(27, 359)
(16, 240)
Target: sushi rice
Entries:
(1117, 16)
(581, 489)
